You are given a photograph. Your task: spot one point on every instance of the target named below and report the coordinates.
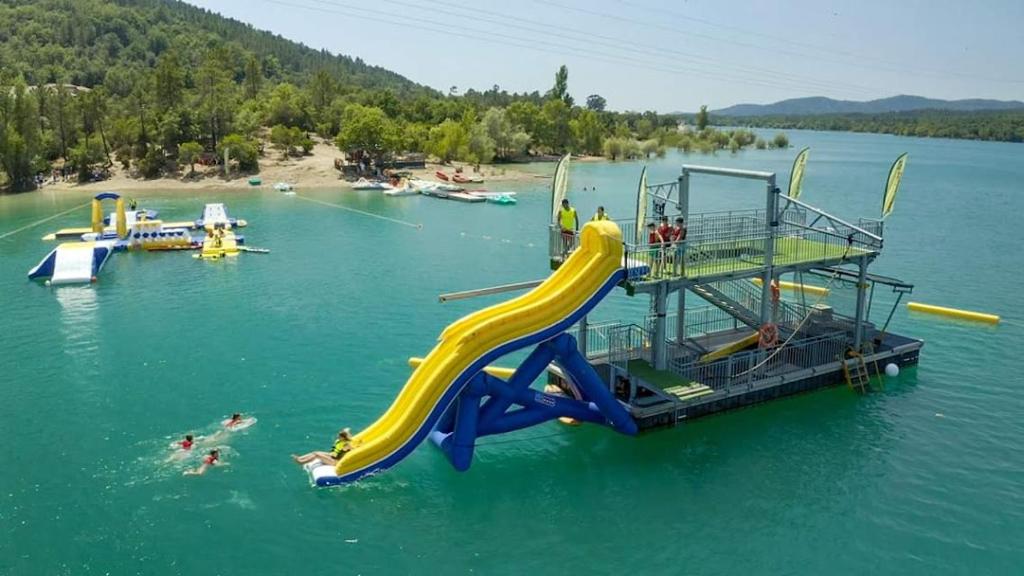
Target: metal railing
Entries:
(742, 370)
(598, 338)
(745, 369)
(733, 242)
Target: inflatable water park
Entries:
(83, 252)
(740, 312)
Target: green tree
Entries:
(322, 90)
(289, 140)
(702, 117)
(596, 102)
(189, 153)
(288, 106)
(503, 133)
(480, 145)
(169, 81)
(558, 135)
(560, 91)
(369, 129)
(241, 149)
(449, 141)
(85, 155)
(253, 77)
(780, 141)
(95, 108)
(19, 135)
(588, 132)
(215, 93)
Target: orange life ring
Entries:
(768, 336)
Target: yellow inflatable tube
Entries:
(953, 312)
(730, 348)
(496, 371)
(808, 288)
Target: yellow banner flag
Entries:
(796, 177)
(893, 185)
(559, 186)
(641, 208)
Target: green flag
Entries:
(893, 185)
(796, 177)
(641, 208)
(559, 187)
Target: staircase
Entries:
(731, 306)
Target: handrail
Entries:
(733, 172)
(832, 218)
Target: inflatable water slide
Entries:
(450, 395)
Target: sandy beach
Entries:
(315, 170)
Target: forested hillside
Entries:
(1006, 126)
(158, 85)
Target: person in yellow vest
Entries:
(343, 445)
(601, 215)
(569, 222)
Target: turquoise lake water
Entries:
(926, 477)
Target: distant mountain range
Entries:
(821, 105)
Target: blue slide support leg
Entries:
(466, 419)
(528, 371)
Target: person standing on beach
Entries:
(569, 222)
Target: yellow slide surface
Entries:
(477, 334)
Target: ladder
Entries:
(856, 372)
(869, 350)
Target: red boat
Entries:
(460, 179)
(441, 175)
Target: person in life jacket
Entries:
(569, 223)
(654, 252)
(211, 459)
(601, 215)
(186, 444)
(342, 446)
(677, 235)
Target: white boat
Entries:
(489, 194)
(364, 184)
(283, 187)
(403, 191)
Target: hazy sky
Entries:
(668, 56)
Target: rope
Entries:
(510, 440)
(828, 285)
(364, 213)
(47, 219)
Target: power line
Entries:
(444, 28)
(737, 42)
(844, 53)
(616, 43)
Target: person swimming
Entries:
(237, 422)
(186, 444)
(211, 459)
(342, 446)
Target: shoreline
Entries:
(315, 170)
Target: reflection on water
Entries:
(78, 313)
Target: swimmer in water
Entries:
(237, 422)
(341, 447)
(211, 459)
(186, 444)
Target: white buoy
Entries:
(892, 370)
